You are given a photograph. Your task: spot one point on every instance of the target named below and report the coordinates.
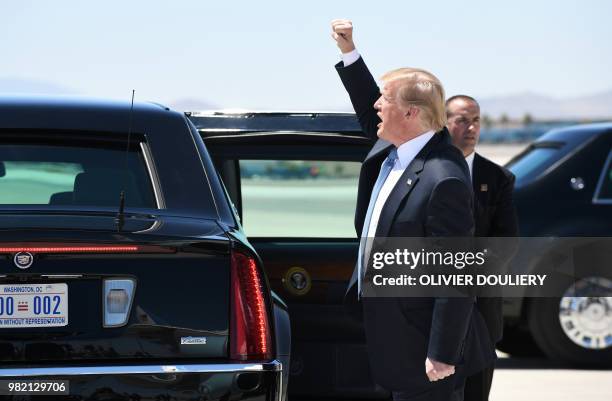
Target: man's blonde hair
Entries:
(422, 89)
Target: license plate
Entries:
(33, 305)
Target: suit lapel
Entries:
(380, 147)
(480, 186)
(476, 171)
(405, 185)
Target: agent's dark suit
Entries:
(495, 216)
(402, 332)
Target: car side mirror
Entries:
(2, 169)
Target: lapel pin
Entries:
(484, 187)
(409, 182)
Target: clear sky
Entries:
(279, 54)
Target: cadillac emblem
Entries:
(23, 260)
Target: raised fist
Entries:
(342, 32)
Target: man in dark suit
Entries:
(494, 215)
(413, 183)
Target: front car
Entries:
(123, 269)
(564, 189)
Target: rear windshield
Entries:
(532, 162)
(74, 174)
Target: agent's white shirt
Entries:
(469, 159)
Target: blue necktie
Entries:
(386, 168)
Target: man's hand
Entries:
(342, 32)
(437, 370)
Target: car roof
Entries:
(73, 112)
(575, 134)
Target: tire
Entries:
(556, 341)
(519, 344)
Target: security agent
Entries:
(494, 216)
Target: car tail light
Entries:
(69, 249)
(118, 296)
(250, 337)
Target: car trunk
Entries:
(179, 304)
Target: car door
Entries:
(295, 192)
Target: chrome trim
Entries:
(61, 275)
(279, 384)
(274, 366)
(600, 183)
(277, 133)
(157, 192)
(237, 112)
(156, 224)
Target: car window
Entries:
(531, 163)
(604, 191)
(299, 198)
(80, 174)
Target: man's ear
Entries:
(412, 112)
(408, 112)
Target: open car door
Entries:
(293, 180)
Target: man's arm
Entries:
(357, 79)
(449, 214)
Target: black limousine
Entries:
(564, 189)
(124, 272)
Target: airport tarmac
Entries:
(501, 154)
(539, 379)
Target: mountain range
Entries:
(596, 106)
(592, 107)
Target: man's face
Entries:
(394, 124)
(464, 124)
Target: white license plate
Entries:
(33, 305)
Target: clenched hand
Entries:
(342, 32)
(437, 370)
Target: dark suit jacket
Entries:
(495, 216)
(402, 332)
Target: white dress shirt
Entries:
(469, 159)
(405, 154)
(350, 57)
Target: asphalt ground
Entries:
(538, 379)
(500, 154)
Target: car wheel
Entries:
(519, 343)
(575, 328)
